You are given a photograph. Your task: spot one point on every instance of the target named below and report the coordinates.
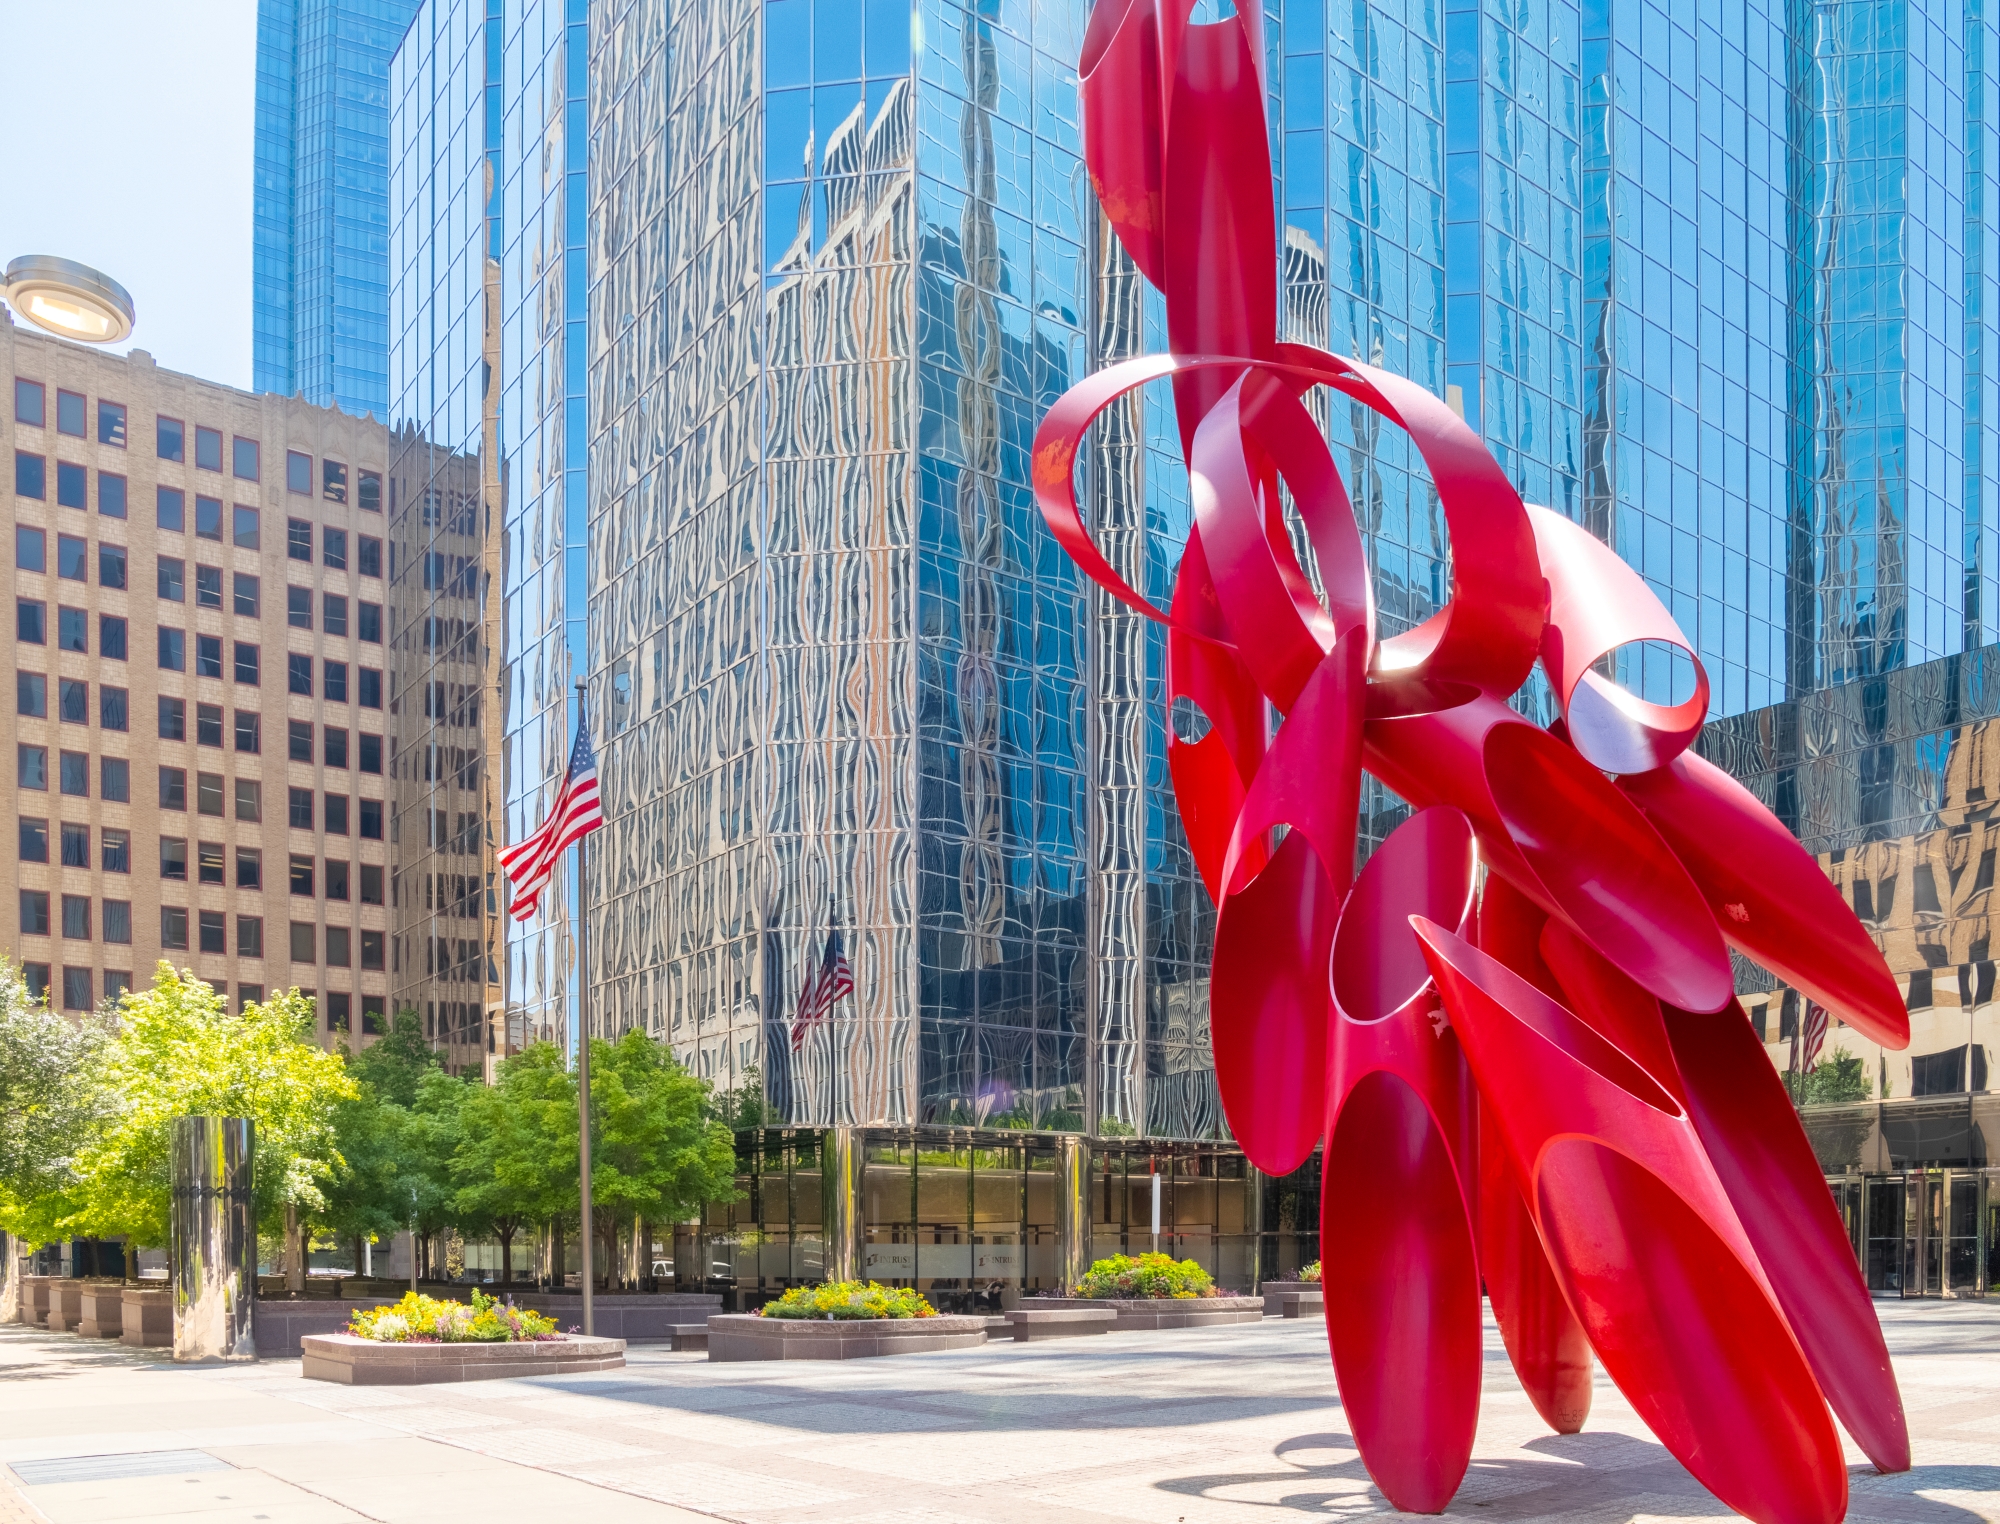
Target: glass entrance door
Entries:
(1923, 1232)
(1964, 1267)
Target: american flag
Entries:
(824, 987)
(1812, 1035)
(530, 863)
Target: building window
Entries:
(299, 674)
(368, 621)
(249, 731)
(299, 607)
(72, 485)
(111, 423)
(115, 779)
(333, 548)
(113, 707)
(339, 1011)
(208, 656)
(208, 863)
(74, 696)
(249, 868)
(371, 753)
(214, 932)
(74, 773)
(248, 536)
(369, 497)
(110, 495)
(249, 799)
(69, 413)
(173, 579)
(304, 942)
(247, 663)
(371, 820)
(299, 808)
(31, 766)
(116, 850)
(173, 719)
(118, 923)
(371, 883)
(29, 402)
(298, 539)
(337, 947)
(31, 475)
(173, 788)
(335, 750)
(29, 549)
(302, 876)
(31, 621)
(72, 558)
(117, 982)
(298, 472)
(208, 587)
(335, 806)
(78, 986)
(336, 880)
(31, 695)
(371, 950)
(249, 595)
(208, 794)
(170, 509)
(174, 859)
(173, 928)
(300, 739)
(336, 681)
(36, 977)
(73, 630)
(245, 459)
(169, 439)
(111, 636)
(368, 560)
(208, 724)
(76, 917)
(75, 845)
(333, 476)
(111, 566)
(207, 448)
(333, 609)
(250, 938)
(34, 840)
(173, 650)
(34, 912)
(208, 518)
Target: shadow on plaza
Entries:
(28, 1354)
(1588, 1472)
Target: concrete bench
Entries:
(687, 1335)
(1033, 1324)
(1305, 1303)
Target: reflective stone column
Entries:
(840, 1201)
(214, 1239)
(1073, 1243)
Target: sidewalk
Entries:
(1207, 1426)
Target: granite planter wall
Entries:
(282, 1323)
(103, 1310)
(1292, 1299)
(35, 1299)
(65, 1305)
(637, 1319)
(350, 1361)
(1166, 1312)
(146, 1318)
(746, 1336)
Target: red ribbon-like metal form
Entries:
(1536, 1078)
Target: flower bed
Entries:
(1123, 1278)
(419, 1319)
(848, 1301)
(1310, 1275)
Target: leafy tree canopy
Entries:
(51, 1102)
(394, 1065)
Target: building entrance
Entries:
(1924, 1232)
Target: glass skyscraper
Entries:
(320, 271)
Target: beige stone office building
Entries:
(199, 731)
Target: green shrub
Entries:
(845, 1300)
(418, 1319)
(1150, 1275)
(1310, 1273)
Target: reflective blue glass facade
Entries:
(320, 272)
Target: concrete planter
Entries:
(35, 1299)
(1292, 1299)
(746, 1336)
(350, 1361)
(1165, 1312)
(282, 1324)
(635, 1318)
(103, 1310)
(146, 1319)
(65, 1306)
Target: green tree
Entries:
(1838, 1079)
(180, 1052)
(744, 1107)
(394, 1064)
(52, 1100)
(516, 1159)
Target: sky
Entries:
(128, 125)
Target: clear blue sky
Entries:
(128, 131)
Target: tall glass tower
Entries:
(320, 275)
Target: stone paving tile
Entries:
(718, 1490)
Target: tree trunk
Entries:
(506, 1256)
(357, 1253)
(295, 1252)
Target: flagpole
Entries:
(583, 1050)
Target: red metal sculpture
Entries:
(1543, 1083)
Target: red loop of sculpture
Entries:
(1542, 1102)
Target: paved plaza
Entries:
(1210, 1426)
